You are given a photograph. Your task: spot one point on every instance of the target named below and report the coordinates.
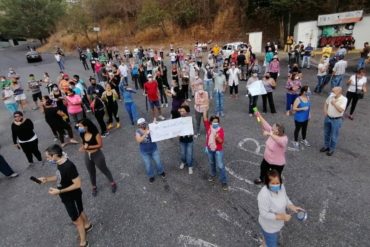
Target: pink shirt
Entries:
(74, 104)
(274, 66)
(275, 149)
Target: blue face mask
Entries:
(81, 130)
(52, 162)
(275, 187)
(215, 125)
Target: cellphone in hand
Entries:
(35, 180)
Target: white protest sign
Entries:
(171, 128)
(256, 88)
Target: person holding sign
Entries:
(68, 187)
(214, 148)
(148, 150)
(252, 99)
(186, 144)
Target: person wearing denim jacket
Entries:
(128, 102)
(214, 149)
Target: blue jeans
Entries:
(290, 98)
(215, 160)
(219, 102)
(124, 80)
(306, 59)
(4, 167)
(208, 87)
(320, 83)
(271, 239)
(61, 65)
(331, 132)
(148, 157)
(361, 63)
(131, 110)
(336, 81)
(187, 153)
(11, 107)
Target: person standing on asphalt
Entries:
(293, 87)
(123, 68)
(338, 72)
(110, 98)
(94, 157)
(98, 108)
(274, 68)
(301, 107)
(322, 69)
(24, 137)
(357, 85)
(272, 204)
(128, 102)
(242, 65)
(148, 150)
(234, 74)
(152, 92)
(74, 107)
(334, 108)
(94, 88)
(6, 169)
(7, 95)
(201, 105)
(208, 80)
(68, 187)
(219, 92)
(59, 60)
(307, 56)
(269, 84)
(276, 146)
(364, 55)
(35, 87)
(19, 95)
(83, 59)
(186, 144)
(252, 99)
(215, 138)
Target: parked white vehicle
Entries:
(228, 48)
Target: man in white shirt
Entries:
(338, 72)
(123, 69)
(334, 108)
(173, 56)
(59, 60)
(233, 81)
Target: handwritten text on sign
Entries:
(171, 128)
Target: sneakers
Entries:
(189, 100)
(105, 134)
(35, 108)
(324, 149)
(55, 139)
(296, 146)
(211, 178)
(88, 111)
(118, 125)
(329, 152)
(190, 170)
(163, 175)
(162, 105)
(306, 143)
(166, 104)
(13, 175)
(85, 245)
(225, 187)
(182, 165)
(222, 114)
(151, 180)
(114, 187)
(94, 192)
(109, 126)
(161, 117)
(350, 117)
(73, 141)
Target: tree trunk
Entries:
(281, 31)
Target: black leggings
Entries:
(352, 97)
(99, 114)
(163, 96)
(270, 99)
(31, 148)
(185, 88)
(112, 112)
(232, 88)
(97, 159)
(298, 126)
(252, 102)
(61, 130)
(265, 167)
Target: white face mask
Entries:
(254, 74)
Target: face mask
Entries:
(254, 74)
(267, 77)
(233, 66)
(275, 188)
(81, 130)
(215, 125)
(52, 162)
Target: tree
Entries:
(30, 18)
(153, 14)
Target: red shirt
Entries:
(151, 89)
(220, 133)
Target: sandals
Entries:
(86, 244)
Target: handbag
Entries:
(360, 93)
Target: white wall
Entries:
(361, 32)
(307, 32)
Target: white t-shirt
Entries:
(321, 67)
(173, 56)
(123, 69)
(360, 83)
(341, 102)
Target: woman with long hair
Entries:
(74, 106)
(301, 107)
(94, 157)
(110, 98)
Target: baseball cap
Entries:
(150, 76)
(141, 121)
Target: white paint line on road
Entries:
(190, 241)
(322, 216)
(241, 189)
(234, 174)
(256, 151)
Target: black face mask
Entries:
(267, 77)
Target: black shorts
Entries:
(74, 208)
(37, 96)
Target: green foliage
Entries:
(30, 18)
(151, 14)
(185, 13)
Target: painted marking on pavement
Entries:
(322, 216)
(190, 241)
(241, 189)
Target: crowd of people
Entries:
(71, 104)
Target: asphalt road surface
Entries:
(187, 210)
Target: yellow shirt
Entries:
(216, 50)
(326, 51)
